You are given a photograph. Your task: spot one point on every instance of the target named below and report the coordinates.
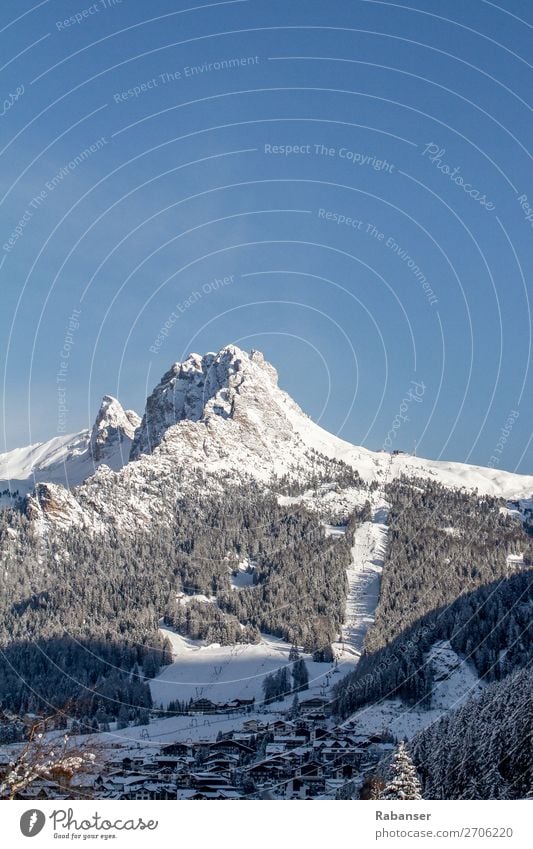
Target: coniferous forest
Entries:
(483, 750)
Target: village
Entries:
(298, 754)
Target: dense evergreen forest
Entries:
(442, 543)
(299, 574)
(483, 750)
(446, 577)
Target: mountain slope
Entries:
(226, 470)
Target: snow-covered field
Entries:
(487, 481)
(224, 673)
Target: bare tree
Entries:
(42, 757)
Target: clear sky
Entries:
(354, 174)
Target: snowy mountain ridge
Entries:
(70, 459)
(217, 419)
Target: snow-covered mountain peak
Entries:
(228, 384)
(225, 413)
(113, 425)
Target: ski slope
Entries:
(364, 575)
(71, 458)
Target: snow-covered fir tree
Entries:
(404, 782)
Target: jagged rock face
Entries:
(227, 385)
(221, 416)
(112, 427)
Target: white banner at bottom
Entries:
(262, 825)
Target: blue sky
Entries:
(355, 175)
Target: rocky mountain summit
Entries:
(229, 385)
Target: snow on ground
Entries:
(158, 732)
(243, 575)
(452, 532)
(183, 599)
(335, 530)
(488, 481)
(174, 729)
(328, 501)
(64, 460)
(368, 552)
(22, 462)
(373, 465)
(223, 673)
(521, 509)
(455, 681)
(515, 561)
